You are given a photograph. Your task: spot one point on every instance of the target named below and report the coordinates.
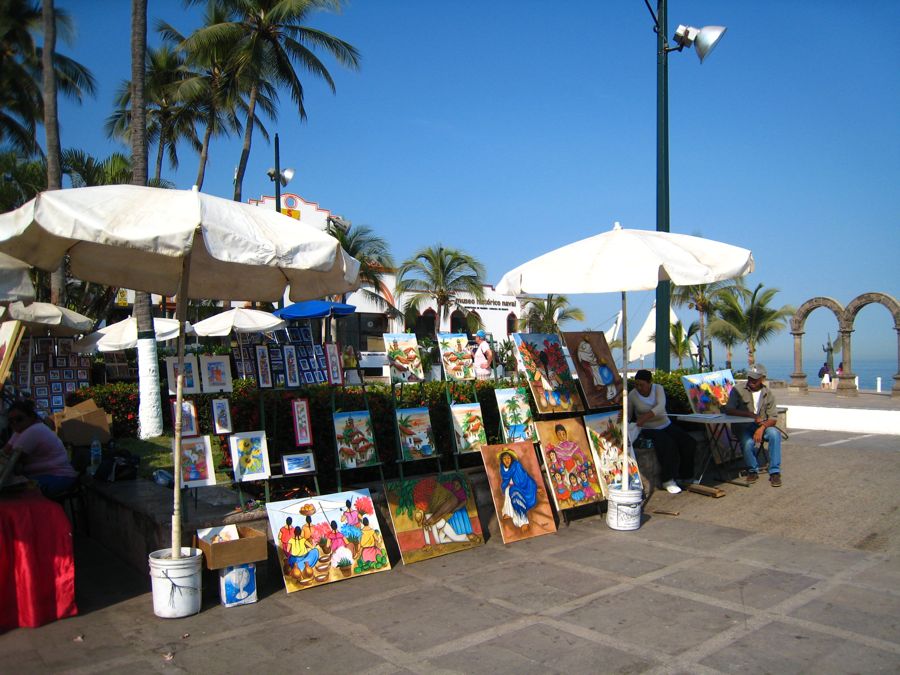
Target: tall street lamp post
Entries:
(279, 177)
(703, 40)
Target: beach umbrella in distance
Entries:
(239, 320)
(315, 309)
(624, 260)
(177, 242)
(15, 280)
(42, 318)
(123, 335)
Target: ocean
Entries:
(866, 369)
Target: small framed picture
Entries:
(191, 379)
(215, 373)
(279, 380)
(69, 387)
(56, 402)
(300, 462)
(42, 403)
(249, 455)
(323, 364)
(333, 363)
(295, 334)
(83, 384)
(308, 377)
(188, 417)
(221, 414)
(23, 379)
(197, 467)
(306, 334)
(263, 369)
(56, 387)
(23, 367)
(61, 361)
(40, 379)
(320, 376)
(54, 374)
(317, 350)
(82, 374)
(304, 364)
(275, 355)
(302, 427)
(84, 362)
(64, 346)
(291, 367)
(45, 345)
(301, 351)
(42, 392)
(37, 367)
(68, 374)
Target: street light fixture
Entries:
(279, 177)
(703, 40)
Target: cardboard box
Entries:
(251, 545)
(82, 423)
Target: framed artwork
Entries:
(23, 366)
(42, 403)
(291, 367)
(416, 434)
(37, 367)
(264, 372)
(276, 357)
(569, 462)
(308, 377)
(215, 373)
(323, 364)
(355, 440)
(69, 387)
(517, 488)
(45, 345)
(61, 361)
(516, 420)
(191, 379)
(84, 362)
(403, 357)
(221, 415)
(433, 515)
(468, 427)
(83, 384)
(333, 363)
(302, 426)
(320, 376)
(54, 374)
(317, 350)
(68, 374)
(298, 463)
(456, 357)
(597, 373)
(41, 392)
(64, 346)
(294, 334)
(301, 351)
(82, 374)
(541, 357)
(56, 387)
(279, 380)
(708, 392)
(312, 553)
(249, 455)
(303, 364)
(605, 436)
(197, 467)
(306, 334)
(40, 379)
(189, 426)
(56, 402)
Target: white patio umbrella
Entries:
(15, 280)
(177, 242)
(42, 318)
(123, 335)
(627, 260)
(239, 320)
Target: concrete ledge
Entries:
(854, 420)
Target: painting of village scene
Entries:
(518, 490)
(327, 538)
(540, 356)
(708, 392)
(416, 435)
(355, 440)
(597, 373)
(605, 435)
(433, 515)
(569, 463)
(468, 426)
(516, 419)
(457, 359)
(403, 356)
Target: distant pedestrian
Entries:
(825, 375)
(483, 356)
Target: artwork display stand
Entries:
(337, 453)
(398, 442)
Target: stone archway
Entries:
(846, 382)
(798, 321)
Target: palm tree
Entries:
(442, 275)
(701, 297)
(745, 316)
(547, 315)
(23, 178)
(680, 341)
(268, 38)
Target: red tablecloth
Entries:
(37, 569)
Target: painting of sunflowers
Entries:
(250, 455)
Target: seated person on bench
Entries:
(44, 458)
(756, 401)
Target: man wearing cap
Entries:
(756, 401)
(483, 356)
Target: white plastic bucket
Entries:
(176, 583)
(624, 509)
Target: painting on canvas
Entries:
(605, 435)
(298, 463)
(215, 372)
(249, 455)
(403, 357)
(600, 381)
(191, 376)
(355, 439)
(433, 515)
(516, 419)
(569, 462)
(196, 462)
(541, 357)
(456, 357)
(189, 426)
(327, 538)
(221, 415)
(708, 392)
(518, 490)
(468, 426)
(302, 427)
(416, 435)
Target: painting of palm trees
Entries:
(516, 419)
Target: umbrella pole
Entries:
(180, 314)
(625, 471)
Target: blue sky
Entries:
(513, 127)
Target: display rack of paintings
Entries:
(518, 491)
(327, 538)
(569, 463)
(540, 356)
(605, 436)
(597, 374)
(516, 420)
(48, 370)
(433, 515)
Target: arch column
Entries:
(798, 377)
(847, 381)
(895, 390)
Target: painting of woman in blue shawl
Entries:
(519, 489)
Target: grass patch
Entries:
(156, 453)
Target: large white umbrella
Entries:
(239, 320)
(123, 335)
(627, 260)
(15, 280)
(42, 318)
(177, 242)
